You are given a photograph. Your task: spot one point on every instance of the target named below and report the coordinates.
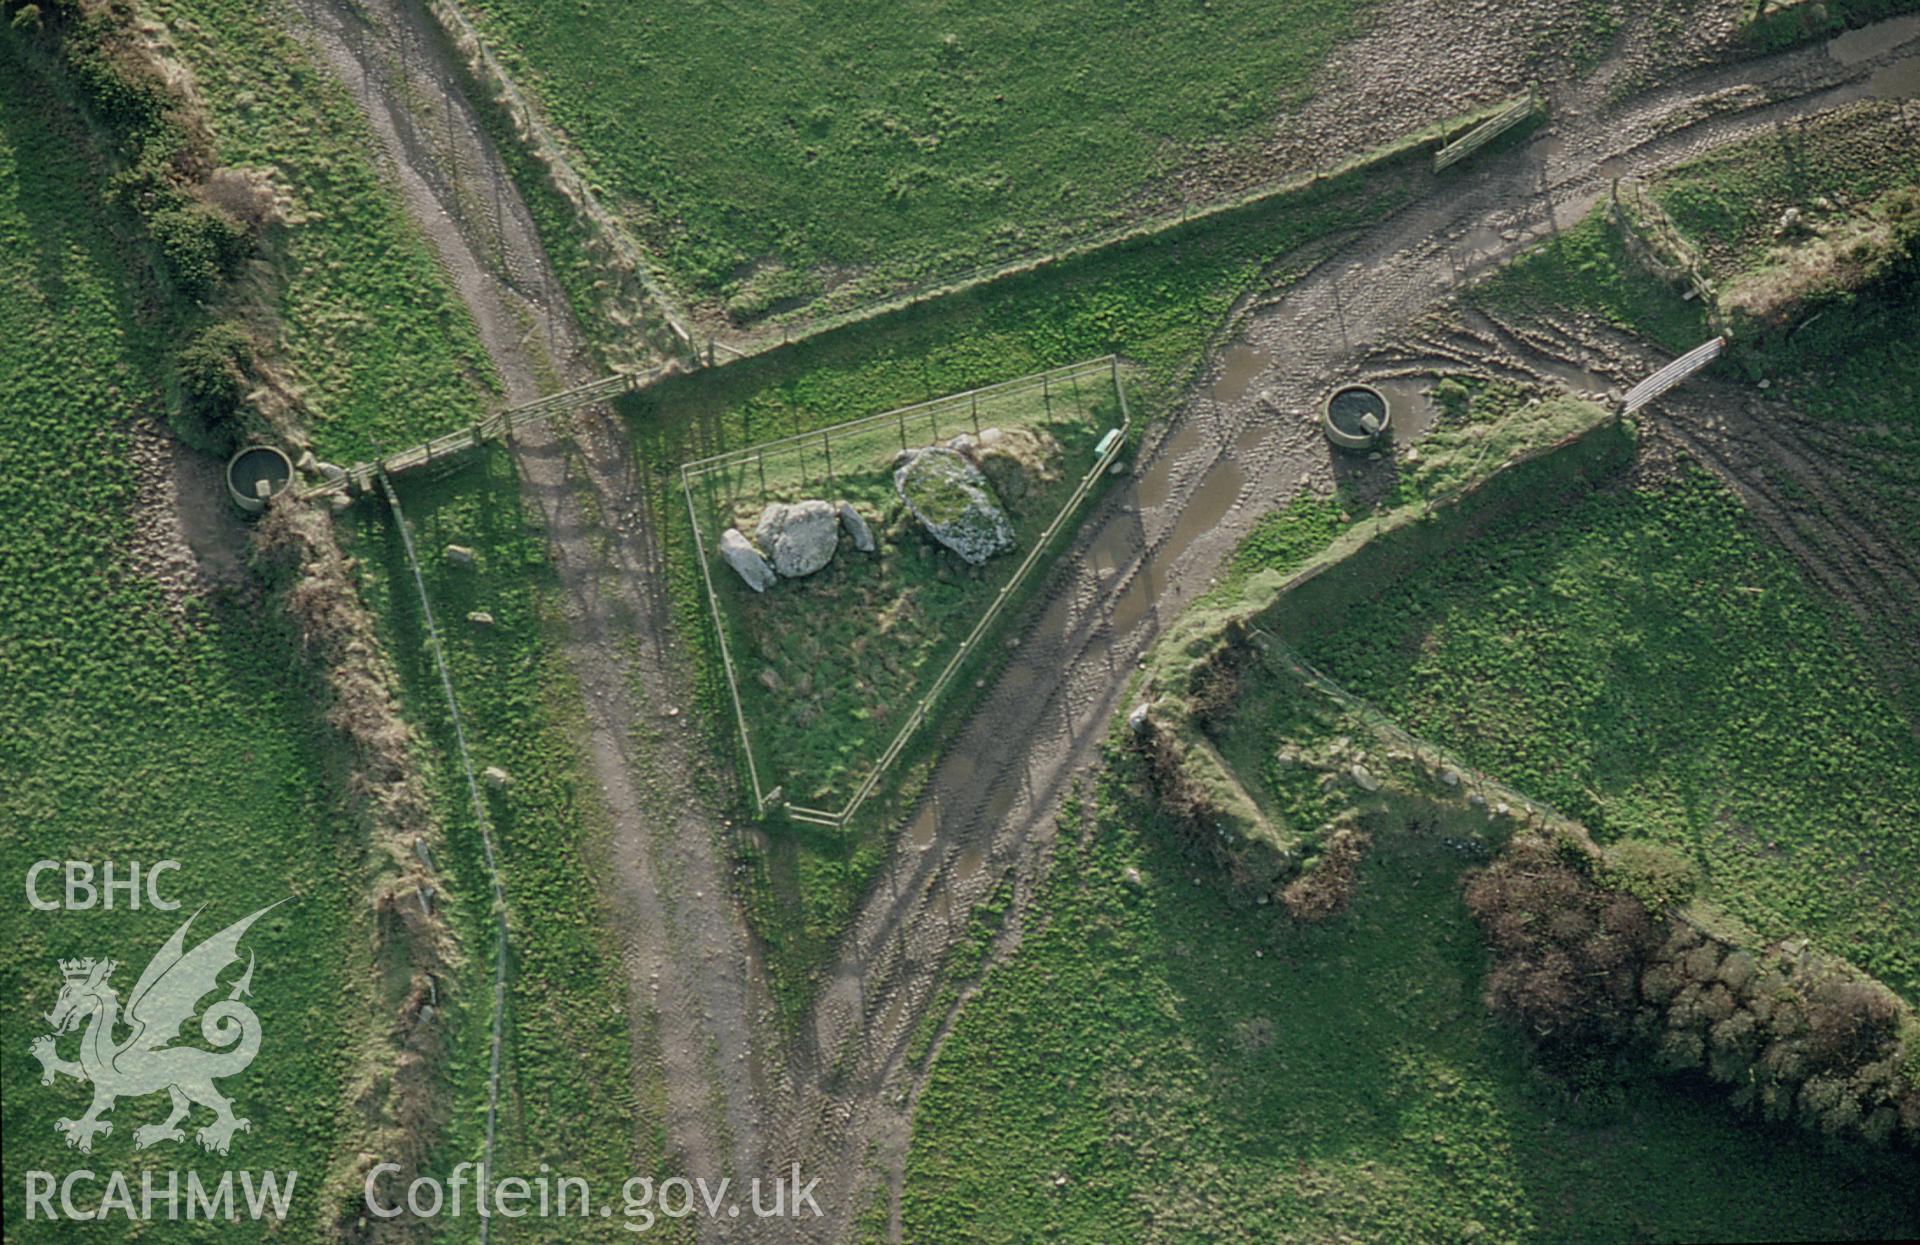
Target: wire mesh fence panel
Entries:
(832, 670)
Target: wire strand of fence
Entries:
(481, 820)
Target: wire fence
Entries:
(724, 484)
(499, 426)
(481, 820)
(817, 319)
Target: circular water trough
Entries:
(1355, 417)
(255, 474)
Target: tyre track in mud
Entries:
(1154, 545)
(683, 948)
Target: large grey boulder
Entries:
(744, 558)
(856, 528)
(952, 500)
(799, 538)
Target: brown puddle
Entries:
(1576, 378)
(920, 833)
(1138, 600)
(1870, 41)
(969, 861)
(1900, 80)
(1219, 489)
(1237, 372)
(1409, 412)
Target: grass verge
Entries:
(1158, 1063)
(570, 1093)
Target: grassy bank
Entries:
(138, 732)
(1155, 1063)
(570, 1096)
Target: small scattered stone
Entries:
(460, 555)
(1363, 778)
(480, 618)
(1450, 776)
(496, 778)
(1133, 878)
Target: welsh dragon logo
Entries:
(145, 1060)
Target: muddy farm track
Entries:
(838, 1098)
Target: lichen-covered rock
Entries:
(952, 500)
(799, 538)
(746, 560)
(1017, 462)
(856, 528)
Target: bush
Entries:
(1567, 951)
(1327, 885)
(199, 246)
(215, 372)
(1656, 874)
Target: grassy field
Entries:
(135, 733)
(385, 353)
(1729, 202)
(1158, 303)
(828, 668)
(1156, 1063)
(569, 1094)
(770, 153)
(1650, 666)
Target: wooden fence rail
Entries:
(1493, 127)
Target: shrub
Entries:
(1567, 952)
(1656, 874)
(199, 246)
(215, 372)
(1327, 885)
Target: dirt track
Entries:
(691, 997)
(841, 1102)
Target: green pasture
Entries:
(138, 731)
